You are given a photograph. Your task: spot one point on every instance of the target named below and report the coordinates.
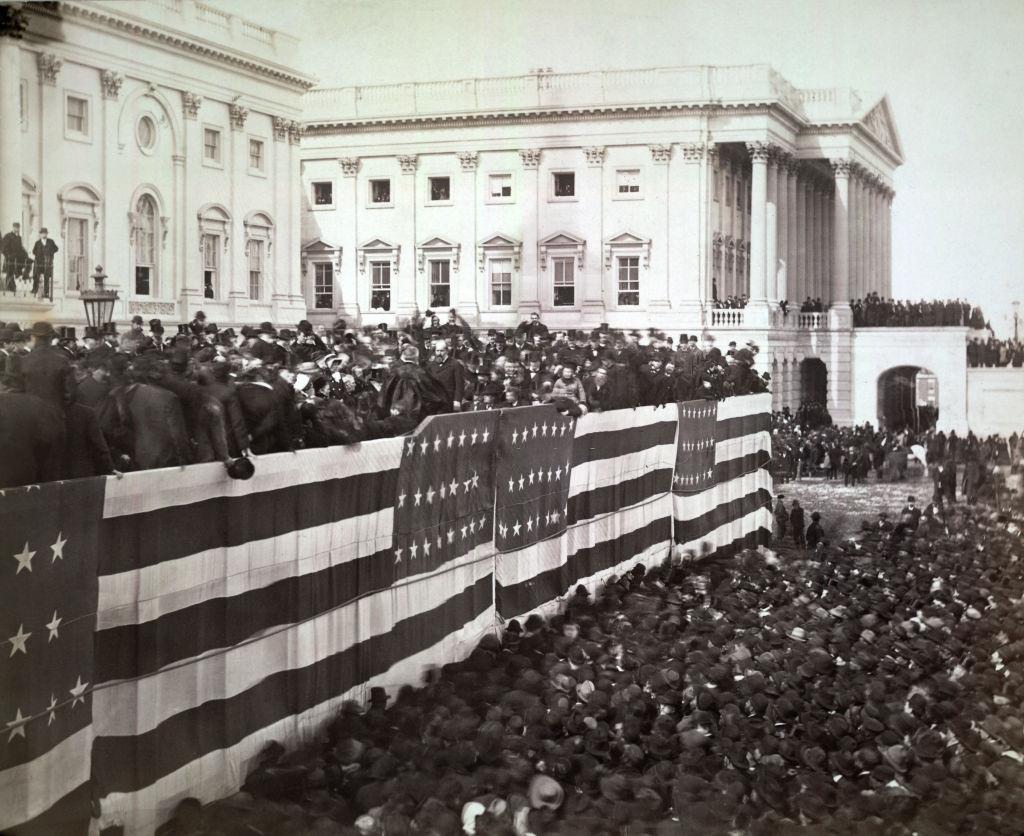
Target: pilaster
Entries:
(10, 123)
(529, 181)
(192, 143)
(802, 275)
(664, 232)
(687, 251)
(593, 273)
(347, 281)
(407, 297)
(466, 276)
(238, 294)
(840, 309)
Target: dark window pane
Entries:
(440, 188)
(565, 184)
(440, 294)
(565, 296)
(142, 281)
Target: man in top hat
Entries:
(266, 349)
(781, 518)
(43, 252)
(815, 533)
(911, 513)
(796, 521)
(306, 342)
(156, 335)
(533, 328)
(198, 323)
(47, 370)
(448, 373)
(15, 256)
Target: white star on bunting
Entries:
(24, 559)
(430, 495)
(451, 439)
(426, 548)
(423, 446)
(486, 435)
(529, 523)
(473, 437)
(398, 554)
(52, 708)
(451, 535)
(516, 529)
(453, 486)
(413, 548)
(58, 547)
(416, 497)
(78, 692)
(17, 727)
(18, 641)
(462, 438)
(53, 626)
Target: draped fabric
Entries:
(163, 627)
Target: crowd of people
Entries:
(108, 402)
(808, 444)
(870, 686)
(874, 311)
(993, 353)
(731, 302)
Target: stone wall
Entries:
(995, 400)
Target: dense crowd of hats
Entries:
(874, 689)
(145, 399)
(873, 311)
(993, 353)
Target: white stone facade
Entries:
(159, 139)
(628, 197)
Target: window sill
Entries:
(439, 203)
(73, 136)
(381, 205)
(213, 163)
(637, 196)
(497, 201)
(258, 172)
(554, 199)
(323, 207)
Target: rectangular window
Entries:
(380, 285)
(255, 253)
(211, 264)
(728, 190)
(380, 191)
(628, 180)
(501, 281)
(211, 145)
(565, 283)
(629, 280)
(500, 185)
(323, 193)
(565, 183)
(78, 115)
(256, 154)
(78, 253)
(440, 188)
(440, 284)
(323, 285)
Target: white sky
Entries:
(954, 72)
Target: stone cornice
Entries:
(317, 127)
(99, 16)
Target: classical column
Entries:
(705, 206)
(407, 296)
(801, 236)
(235, 167)
(757, 307)
(792, 234)
(666, 227)
(466, 273)
(812, 242)
(771, 241)
(879, 238)
(841, 222)
(819, 237)
(862, 235)
(529, 292)
(782, 274)
(854, 233)
(887, 208)
(12, 24)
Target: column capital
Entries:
(712, 151)
(295, 132)
(595, 155)
(238, 115)
(111, 83)
(660, 153)
(760, 152)
(281, 126)
(530, 157)
(842, 167)
(190, 104)
(469, 160)
(349, 166)
(408, 163)
(693, 152)
(49, 67)
(780, 157)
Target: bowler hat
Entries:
(42, 330)
(241, 468)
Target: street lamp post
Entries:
(99, 303)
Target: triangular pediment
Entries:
(378, 244)
(627, 238)
(562, 239)
(500, 241)
(317, 246)
(879, 122)
(438, 243)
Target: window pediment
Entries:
(437, 247)
(561, 243)
(379, 249)
(320, 251)
(81, 200)
(627, 243)
(499, 245)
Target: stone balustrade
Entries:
(727, 317)
(812, 321)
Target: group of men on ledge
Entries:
(875, 312)
(112, 402)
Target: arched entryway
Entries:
(908, 397)
(813, 381)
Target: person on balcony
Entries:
(15, 257)
(43, 252)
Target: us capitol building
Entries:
(172, 143)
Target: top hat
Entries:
(268, 328)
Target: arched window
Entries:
(146, 219)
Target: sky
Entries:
(954, 73)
